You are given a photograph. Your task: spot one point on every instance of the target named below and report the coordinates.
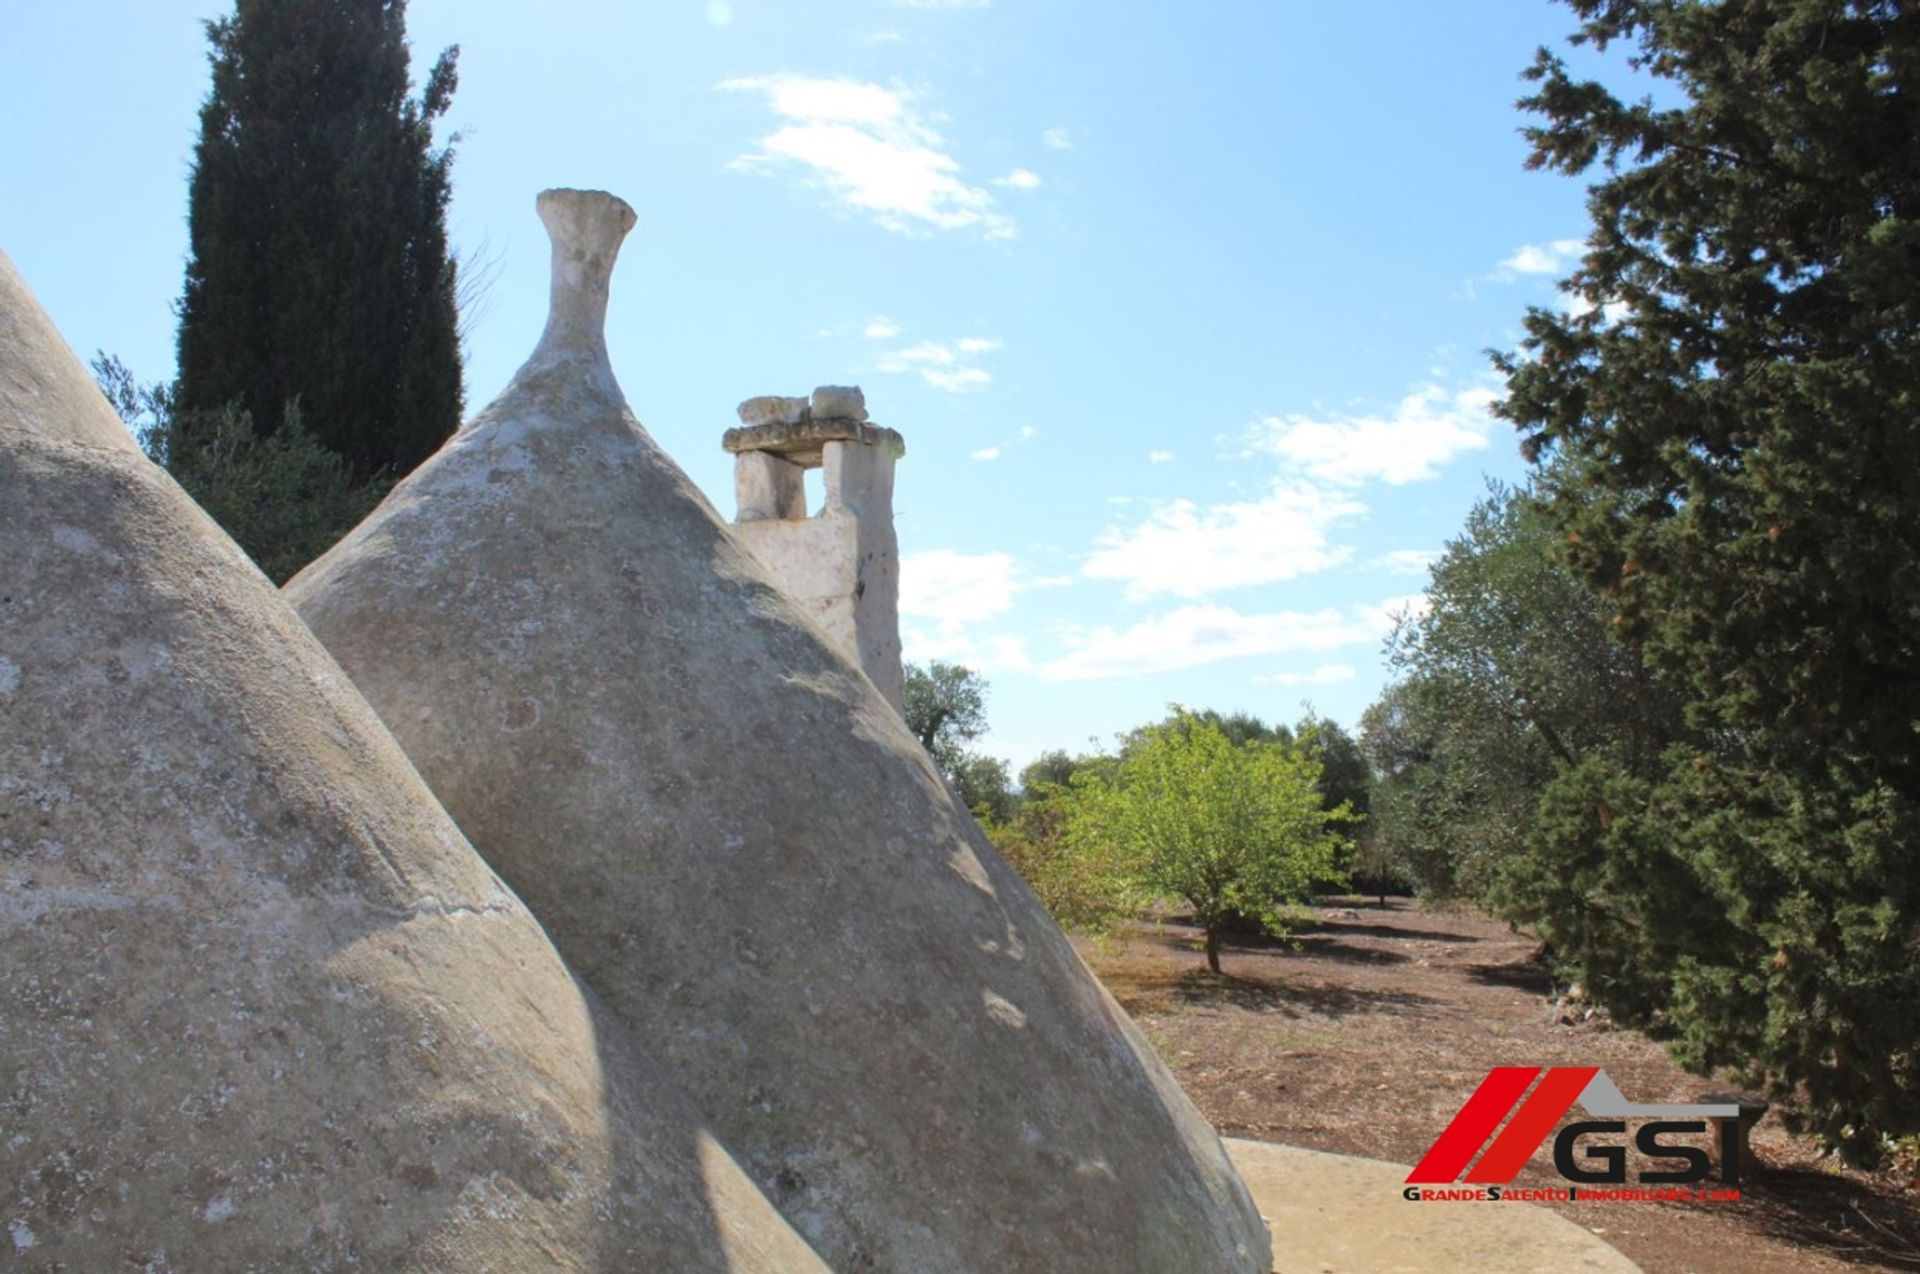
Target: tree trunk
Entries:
(1213, 948)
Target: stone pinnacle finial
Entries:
(587, 227)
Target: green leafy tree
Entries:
(1231, 829)
(1080, 879)
(319, 269)
(1727, 423)
(1346, 783)
(283, 497)
(1051, 769)
(946, 710)
(985, 787)
(1345, 777)
(1511, 675)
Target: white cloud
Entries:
(900, 360)
(1324, 675)
(1194, 635)
(1020, 179)
(1612, 312)
(943, 365)
(720, 13)
(951, 594)
(961, 380)
(1158, 456)
(869, 148)
(1027, 431)
(1057, 139)
(1533, 258)
(982, 652)
(950, 587)
(1188, 550)
(1406, 561)
(1428, 428)
(985, 453)
(881, 328)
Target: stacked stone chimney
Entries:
(843, 563)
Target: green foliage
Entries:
(1050, 769)
(284, 498)
(1079, 879)
(1345, 777)
(1728, 426)
(985, 787)
(1231, 829)
(319, 269)
(1511, 675)
(946, 710)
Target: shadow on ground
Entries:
(1310, 927)
(1152, 987)
(1519, 977)
(1838, 1217)
(1318, 948)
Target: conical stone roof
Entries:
(261, 1006)
(734, 839)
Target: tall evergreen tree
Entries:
(1731, 417)
(319, 270)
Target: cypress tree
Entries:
(1729, 426)
(319, 271)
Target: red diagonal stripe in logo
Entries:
(1531, 1124)
(1473, 1125)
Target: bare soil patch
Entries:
(1365, 1032)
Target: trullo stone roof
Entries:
(734, 839)
(261, 1006)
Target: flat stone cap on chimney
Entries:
(801, 444)
(796, 429)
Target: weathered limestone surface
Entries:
(838, 402)
(733, 838)
(261, 1006)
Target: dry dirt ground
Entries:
(1365, 1032)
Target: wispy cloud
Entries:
(1158, 456)
(985, 453)
(1189, 550)
(881, 328)
(1057, 139)
(720, 13)
(1324, 675)
(957, 380)
(1194, 635)
(951, 587)
(947, 597)
(1554, 257)
(1406, 561)
(1425, 430)
(871, 149)
(1020, 179)
(945, 365)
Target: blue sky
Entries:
(1181, 307)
